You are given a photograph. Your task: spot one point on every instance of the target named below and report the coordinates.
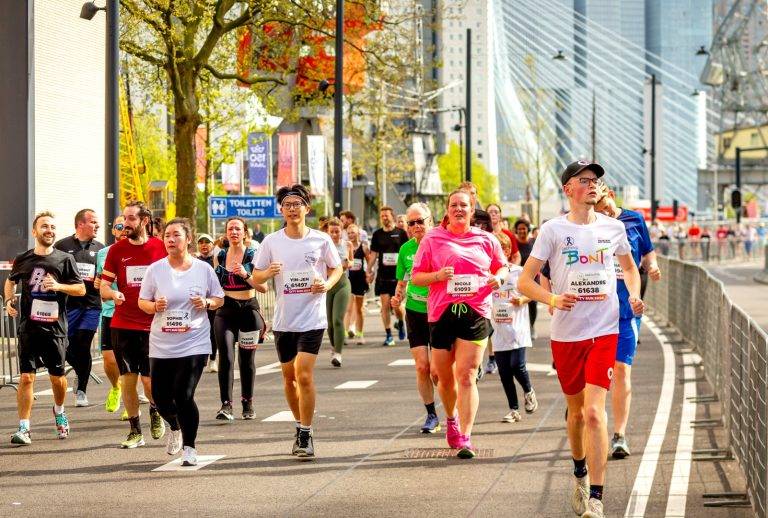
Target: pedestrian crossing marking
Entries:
(202, 461)
(356, 384)
(403, 363)
(280, 417)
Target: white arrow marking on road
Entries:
(281, 417)
(356, 384)
(401, 363)
(202, 461)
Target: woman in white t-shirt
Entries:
(178, 291)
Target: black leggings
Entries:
(79, 355)
(512, 367)
(174, 381)
(231, 318)
(532, 311)
(211, 318)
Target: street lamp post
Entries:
(112, 106)
(338, 109)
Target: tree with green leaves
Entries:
(450, 167)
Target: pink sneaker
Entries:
(466, 450)
(452, 433)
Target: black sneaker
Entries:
(248, 413)
(295, 448)
(225, 413)
(306, 449)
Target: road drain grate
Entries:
(443, 453)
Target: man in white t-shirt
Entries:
(305, 265)
(581, 247)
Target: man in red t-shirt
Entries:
(126, 263)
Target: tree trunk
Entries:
(187, 116)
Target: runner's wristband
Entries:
(552, 300)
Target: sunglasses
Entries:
(119, 226)
(419, 221)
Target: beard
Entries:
(131, 233)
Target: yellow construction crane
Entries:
(131, 188)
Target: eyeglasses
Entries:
(419, 221)
(119, 226)
(293, 205)
(585, 182)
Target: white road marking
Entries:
(49, 392)
(546, 368)
(681, 471)
(403, 363)
(356, 384)
(268, 369)
(641, 490)
(280, 417)
(202, 461)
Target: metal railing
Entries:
(711, 250)
(9, 360)
(734, 352)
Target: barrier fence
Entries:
(711, 250)
(734, 350)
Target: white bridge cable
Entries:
(636, 164)
(609, 60)
(630, 126)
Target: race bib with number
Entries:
(248, 339)
(87, 271)
(502, 308)
(357, 265)
(134, 275)
(617, 268)
(588, 286)
(298, 282)
(44, 310)
(390, 259)
(466, 284)
(176, 321)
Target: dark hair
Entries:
(236, 218)
(493, 205)
(158, 223)
(349, 215)
(294, 190)
(144, 212)
(385, 208)
(522, 222)
(44, 214)
(80, 216)
(185, 224)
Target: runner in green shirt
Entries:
(419, 220)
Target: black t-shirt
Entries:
(388, 242)
(43, 311)
(84, 253)
(525, 249)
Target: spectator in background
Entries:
(401, 222)
(157, 225)
(494, 211)
(258, 235)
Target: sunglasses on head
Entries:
(419, 221)
(119, 226)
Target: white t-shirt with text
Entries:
(511, 324)
(581, 260)
(180, 330)
(296, 309)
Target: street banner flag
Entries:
(201, 161)
(258, 163)
(287, 159)
(230, 177)
(317, 164)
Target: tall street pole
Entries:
(468, 108)
(653, 147)
(338, 110)
(112, 115)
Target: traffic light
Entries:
(736, 199)
(675, 207)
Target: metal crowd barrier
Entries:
(711, 250)
(9, 360)
(734, 352)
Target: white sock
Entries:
(59, 409)
(24, 423)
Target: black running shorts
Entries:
(131, 350)
(42, 350)
(458, 321)
(289, 343)
(418, 328)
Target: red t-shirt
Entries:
(694, 232)
(512, 238)
(127, 263)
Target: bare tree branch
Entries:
(246, 80)
(134, 49)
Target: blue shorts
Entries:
(83, 319)
(629, 332)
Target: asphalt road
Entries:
(744, 291)
(371, 458)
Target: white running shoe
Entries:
(512, 417)
(335, 359)
(580, 496)
(594, 509)
(173, 444)
(213, 366)
(81, 399)
(189, 457)
(531, 404)
(143, 400)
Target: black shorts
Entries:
(465, 323)
(289, 343)
(418, 328)
(131, 349)
(359, 285)
(385, 287)
(42, 350)
(106, 334)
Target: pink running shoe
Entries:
(466, 450)
(452, 433)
